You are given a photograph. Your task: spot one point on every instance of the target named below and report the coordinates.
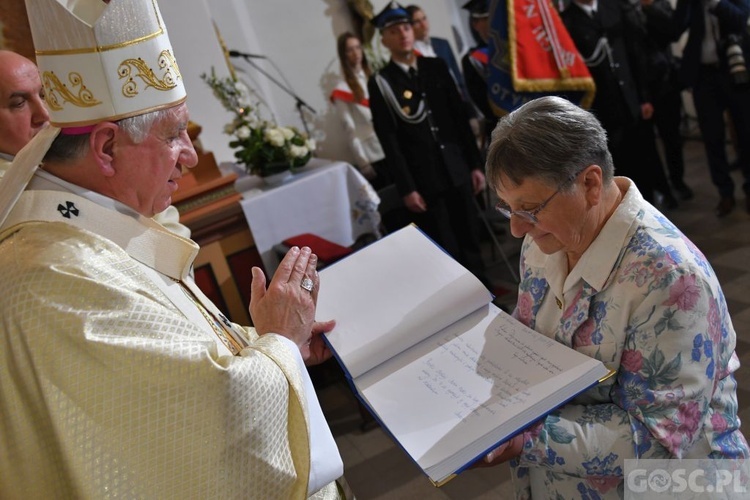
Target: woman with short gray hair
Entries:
(605, 273)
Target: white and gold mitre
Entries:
(99, 60)
(103, 60)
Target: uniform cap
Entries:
(391, 14)
(477, 8)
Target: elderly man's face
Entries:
(22, 109)
(148, 171)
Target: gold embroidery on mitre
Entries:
(167, 59)
(56, 92)
(101, 48)
(104, 48)
(166, 63)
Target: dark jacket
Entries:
(443, 50)
(620, 85)
(689, 14)
(475, 74)
(439, 152)
(660, 33)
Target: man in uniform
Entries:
(609, 38)
(119, 377)
(476, 61)
(421, 121)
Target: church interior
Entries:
(287, 55)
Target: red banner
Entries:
(531, 55)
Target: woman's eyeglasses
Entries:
(530, 215)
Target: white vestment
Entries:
(169, 218)
(113, 382)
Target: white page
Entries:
(437, 400)
(391, 295)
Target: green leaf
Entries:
(670, 371)
(559, 435)
(656, 359)
(660, 326)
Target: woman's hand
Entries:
(317, 350)
(509, 449)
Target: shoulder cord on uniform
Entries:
(601, 51)
(390, 98)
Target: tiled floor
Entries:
(376, 468)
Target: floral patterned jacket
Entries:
(649, 306)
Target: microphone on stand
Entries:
(237, 53)
(286, 88)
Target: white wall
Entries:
(298, 38)
(196, 49)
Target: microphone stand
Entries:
(298, 100)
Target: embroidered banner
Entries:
(532, 55)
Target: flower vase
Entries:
(278, 178)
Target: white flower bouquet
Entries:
(262, 146)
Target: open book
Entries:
(447, 373)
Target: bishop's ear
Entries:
(103, 145)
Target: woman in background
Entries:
(352, 105)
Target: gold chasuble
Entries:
(113, 383)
